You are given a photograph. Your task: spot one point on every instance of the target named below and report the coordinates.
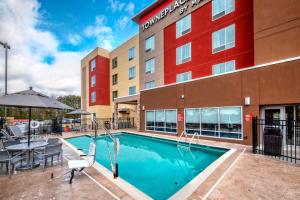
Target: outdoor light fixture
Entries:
(182, 96)
(247, 101)
(143, 107)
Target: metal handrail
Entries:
(179, 139)
(113, 162)
(198, 138)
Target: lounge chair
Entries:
(16, 132)
(6, 135)
(79, 165)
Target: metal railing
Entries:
(277, 138)
(181, 135)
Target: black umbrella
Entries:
(78, 112)
(31, 99)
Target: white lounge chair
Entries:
(79, 165)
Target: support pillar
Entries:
(116, 115)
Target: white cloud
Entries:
(123, 22)
(101, 31)
(118, 6)
(74, 39)
(29, 45)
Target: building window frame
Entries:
(150, 62)
(130, 90)
(131, 53)
(227, 44)
(184, 26)
(164, 128)
(218, 131)
(181, 58)
(114, 94)
(150, 84)
(115, 79)
(228, 7)
(93, 97)
(188, 74)
(132, 73)
(225, 65)
(93, 81)
(93, 65)
(114, 62)
(150, 43)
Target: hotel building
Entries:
(209, 66)
(205, 66)
(110, 82)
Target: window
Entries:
(183, 77)
(192, 121)
(162, 121)
(183, 26)
(150, 66)
(183, 54)
(115, 62)
(222, 7)
(224, 39)
(114, 94)
(150, 84)
(223, 67)
(93, 81)
(115, 79)
(224, 122)
(132, 90)
(93, 64)
(131, 53)
(131, 73)
(150, 44)
(93, 97)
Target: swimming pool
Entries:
(157, 167)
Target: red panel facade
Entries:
(201, 38)
(102, 81)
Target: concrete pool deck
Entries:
(243, 175)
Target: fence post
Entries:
(254, 134)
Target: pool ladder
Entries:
(116, 142)
(184, 134)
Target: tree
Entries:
(71, 100)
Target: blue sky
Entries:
(48, 39)
(69, 19)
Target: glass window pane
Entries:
(150, 115)
(160, 120)
(230, 121)
(171, 121)
(209, 122)
(230, 36)
(192, 120)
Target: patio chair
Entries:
(10, 160)
(5, 135)
(50, 151)
(79, 165)
(52, 141)
(16, 132)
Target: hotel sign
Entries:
(181, 5)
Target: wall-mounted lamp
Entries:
(247, 101)
(182, 96)
(143, 107)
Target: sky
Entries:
(48, 38)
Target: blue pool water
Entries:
(155, 166)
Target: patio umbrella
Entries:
(78, 112)
(31, 99)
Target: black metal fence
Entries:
(277, 138)
(122, 123)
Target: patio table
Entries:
(30, 163)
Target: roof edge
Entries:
(155, 4)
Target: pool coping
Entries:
(185, 192)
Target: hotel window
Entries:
(131, 73)
(162, 121)
(93, 64)
(131, 53)
(192, 121)
(93, 81)
(223, 67)
(223, 39)
(183, 77)
(114, 94)
(222, 7)
(150, 66)
(132, 90)
(150, 44)
(93, 97)
(115, 62)
(150, 84)
(183, 26)
(183, 54)
(224, 122)
(115, 79)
